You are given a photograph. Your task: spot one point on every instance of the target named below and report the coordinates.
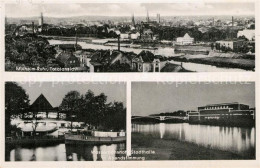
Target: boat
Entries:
(95, 137)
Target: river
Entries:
(64, 152)
(164, 51)
(233, 139)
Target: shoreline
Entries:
(220, 62)
(170, 149)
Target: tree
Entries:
(212, 46)
(115, 112)
(71, 105)
(16, 103)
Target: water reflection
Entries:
(64, 152)
(235, 139)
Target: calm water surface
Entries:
(63, 152)
(233, 139)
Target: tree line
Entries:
(94, 110)
(29, 51)
(91, 109)
(163, 32)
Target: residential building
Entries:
(124, 35)
(68, 59)
(185, 40)
(146, 61)
(232, 44)
(171, 67)
(101, 59)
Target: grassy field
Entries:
(169, 149)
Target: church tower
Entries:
(41, 20)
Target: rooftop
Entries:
(41, 104)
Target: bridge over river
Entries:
(161, 118)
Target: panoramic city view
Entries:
(193, 121)
(133, 37)
(61, 121)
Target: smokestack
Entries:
(118, 40)
(76, 43)
(33, 28)
(147, 17)
(232, 28)
(213, 24)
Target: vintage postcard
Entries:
(130, 37)
(76, 89)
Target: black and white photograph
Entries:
(130, 37)
(193, 120)
(65, 121)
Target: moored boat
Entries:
(95, 137)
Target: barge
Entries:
(96, 138)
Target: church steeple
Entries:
(133, 20)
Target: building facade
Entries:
(222, 111)
(185, 40)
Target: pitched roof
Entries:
(69, 46)
(170, 67)
(64, 56)
(41, 104)
(147, 56)
(109, 58)
(186, 36)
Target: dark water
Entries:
(234, 139)
(64, 152)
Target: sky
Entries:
(127, 9)
(152, 97)
(55, 91)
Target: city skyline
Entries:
(55, 91)
(153, 98)
(127, 9)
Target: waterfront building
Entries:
(232, 44)
(124, 35)
(185, 40)
(247, 33)
(43, 119)
(222, 111)
(135, 36)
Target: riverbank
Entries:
(170, 149)
(246, 64)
